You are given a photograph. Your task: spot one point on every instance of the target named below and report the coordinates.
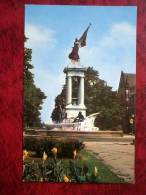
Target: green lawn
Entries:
(78, 170)
(106, 175)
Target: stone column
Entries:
(81, 91)
(69, 90)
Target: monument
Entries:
(75, 70)
(75, 120)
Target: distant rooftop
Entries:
(128, 79)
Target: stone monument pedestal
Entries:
(72, 110)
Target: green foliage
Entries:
(33, 96)
(65, 147)
(81, 170)
(54, 170)
(81, 173)
(57, 113)
(99, 97)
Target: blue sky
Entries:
(111, 44)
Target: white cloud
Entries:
(119, 34)
(39, 36)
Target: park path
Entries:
(119, 156)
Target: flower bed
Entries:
(83, 167)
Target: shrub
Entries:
(65, 147)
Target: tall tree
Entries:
(33, 96)
(58, 111)
(99, 97)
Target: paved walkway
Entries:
(119, 156)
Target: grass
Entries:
(106, 175)
(89, 160)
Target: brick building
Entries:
(126, 94)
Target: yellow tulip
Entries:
(66, 179)
(74, 154)
(25, 154)
(45, 156)
(95, 171)
(54, 151)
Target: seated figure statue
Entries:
(79, 118)
(86, 124)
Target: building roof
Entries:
(127, 79)
(130, 79)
